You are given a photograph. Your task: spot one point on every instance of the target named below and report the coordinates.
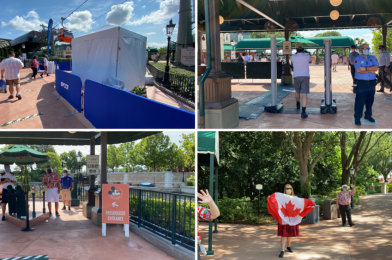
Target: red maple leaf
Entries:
(289, 210)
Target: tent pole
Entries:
(216, 198)
(211, 191)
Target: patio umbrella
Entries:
(23, 155)
(297, 40)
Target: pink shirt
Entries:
(34, 63)
(344, 198)
(335, 58)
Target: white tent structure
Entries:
(110, 51)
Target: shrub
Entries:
(389, 187)
(236, 210)
(190, 181)
(371, 192)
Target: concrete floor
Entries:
(369, 239)
(72, 236)
(246, 90)
(40, 98)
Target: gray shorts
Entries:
(301, 84)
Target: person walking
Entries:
(300, 62)
(10, 67)
(7, 178)
(343, 200)
(365, 73)
(46, 64)
(52, 182)
(205, 214)
(66, 183)
(34, 67)
(351, 58)
(384, 66)
(335, 59)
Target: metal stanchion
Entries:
(27, 228)
(34, 214)
(43, 199)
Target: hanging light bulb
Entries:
(221, 19)
(335, 2)
(72, 132)
(334, 15)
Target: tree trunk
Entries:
(304, 179)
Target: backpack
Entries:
(30, 64)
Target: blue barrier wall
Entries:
(69, 86)
(65, 65)
(108, 107)
(41, 67)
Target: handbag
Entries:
(3, 86)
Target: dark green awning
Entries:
(207, 144)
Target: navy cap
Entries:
(48, 166)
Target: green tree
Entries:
(114, 159)
(55, 162)
(266, 35)
(188, 145)
(327, 34)
(162, 50)
(177, 157)
(153, 151)
(128, 155)
(377, 40)
(70, 161)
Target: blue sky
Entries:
(146, 17)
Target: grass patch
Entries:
(173, 70)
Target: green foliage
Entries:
(306, 190)
(188, 146)
(20, 52)
(327, 34)
(237, 211)
(377, 40)
(154, 151)
(55, 162)
(114, 159)
(26, 180)
(191, 181)
(70, 162)
(173, 70)
(128, 155)
(266, 35)
(161, 51)
(139, 91)
(389, 187)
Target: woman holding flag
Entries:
(288, 210)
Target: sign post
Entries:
(115, 206)
(92, 167)
(187, 56)
(259, 187)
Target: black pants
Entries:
(353, 72)
(345, 209)
(383, 76)
(34, 72)
(364, 97)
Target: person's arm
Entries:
(205, 198)
(353, 187)
(364, 70)
(2, 71)
(73, 186)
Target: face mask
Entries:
(352, 50)
(379, 50)
(365, 52)
(49, 171)
(8, 169)
(65, 174)
(344, 189)
(288, 192)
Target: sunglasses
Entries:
(365, 48)
(288, 188)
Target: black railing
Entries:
(180, 85)
(169, 215)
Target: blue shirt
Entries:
(352, 56)
(385, 59)
(247, 58)
(66, 182)
(361, 61)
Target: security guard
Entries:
(66, 189)
(384, 68)
(351, 59)
(365, 73)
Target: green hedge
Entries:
(190, 181)
(389, 187)
(173, 70)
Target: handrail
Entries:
(209, 66)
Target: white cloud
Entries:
(143, 6)
(308, 34)
(150, 33)
(168, 9)
(175, 31)
(120, 14)
(79, 21)
(26, 23)
(9, 32)
(157, 44)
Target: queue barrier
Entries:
(108, 107)
(235, 69)
(262, 70)
(69, 86)
(65, 65)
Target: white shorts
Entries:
(52, 196)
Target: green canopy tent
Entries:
(298, 40)
(208, 156)
(23, 155)
(152, 50)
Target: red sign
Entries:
(115, 203)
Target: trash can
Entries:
(330, 210)
(314, 216)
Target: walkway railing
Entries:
(182, 86)
(169, 215)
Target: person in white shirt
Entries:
(335, 59)
(7, 178)
(301, 78)
(46, 64)
(10, 67)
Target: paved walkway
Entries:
(72, 236)
(39, 98)
(369, 239)
(246, 90)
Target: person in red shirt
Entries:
(343, 200)
(34, 67)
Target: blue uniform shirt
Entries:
(66, 182)
(352, 56)
(361, 61)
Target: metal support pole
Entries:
(274, 108)
(174, 217)
(384, 35)
(210, 251)
(43, 200)
(258, 210)
(352, 197)
(27, 228)
(216, 198)
(34, 213)
(166, 81)
(327, 70)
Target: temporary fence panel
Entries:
(261, 70)
(65, 65)
(41, 67)
(108, 107)
(69, 86)
(235, 69)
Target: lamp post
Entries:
(79, 159)
(232, 45)
(357, 42)
(259, 187)
(352, 173)
(169, 31)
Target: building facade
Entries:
(64, 51)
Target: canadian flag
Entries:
(288, 210)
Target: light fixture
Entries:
(221, 19)
(23, 45)
(79, 157)
(203, 37)
(72, 132)
(335, 2)
(148, 49)
(334, 14)
(232, 43)
(356, 41)
(170, 28)
(352, 171)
